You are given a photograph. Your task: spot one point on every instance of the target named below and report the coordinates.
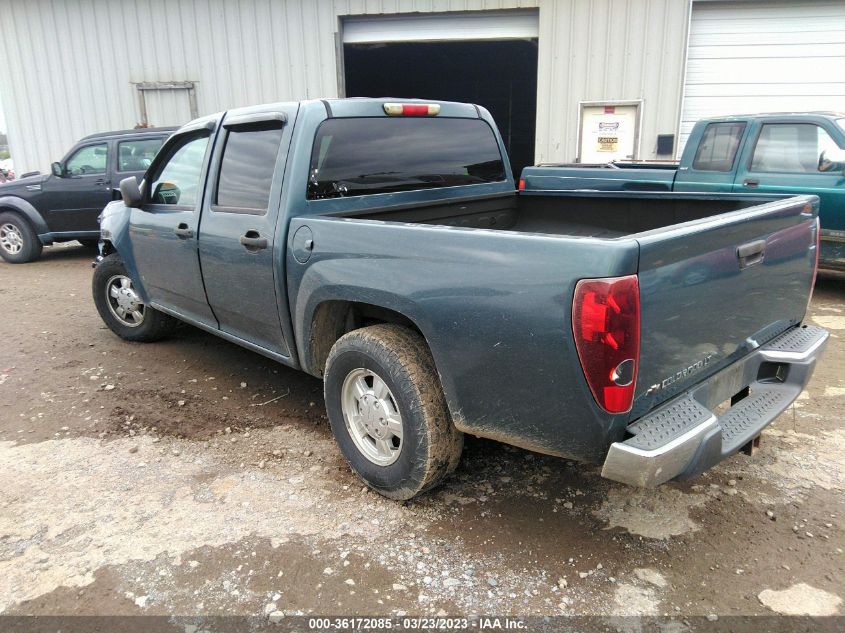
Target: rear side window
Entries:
(138, 154)
(246, 170)
(718, 147)
(354, 157)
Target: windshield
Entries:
(353, 157)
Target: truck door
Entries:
(164, 230)
(241, 251)
(72, 201)
(785, 158)
(714, 160)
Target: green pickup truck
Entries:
(790, 153)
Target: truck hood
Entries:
(14, 187)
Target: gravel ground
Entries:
(194, 477)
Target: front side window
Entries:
(137, 155)
(88, 160)
(359, 156)
(791, 148)
(178, 179)
(246, 169)
(718, 147)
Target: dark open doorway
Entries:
(499, 75)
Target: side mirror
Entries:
(131, 192)
(832, 160)
(58, 170)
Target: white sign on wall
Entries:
(608, 132)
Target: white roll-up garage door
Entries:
(478, 25)
(747, 57)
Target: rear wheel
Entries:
(121, 308)
(18, 242)
(388, 412)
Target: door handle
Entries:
(253, 241)
(183, 231)
(751, 253)
(102, 182)
(751, 182)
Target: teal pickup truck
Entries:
(795, 153)
(382, 247)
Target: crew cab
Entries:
(790, 153)
(37, 210)
(383, 247)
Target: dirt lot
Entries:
(194, 477)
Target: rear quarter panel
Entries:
(495, 308)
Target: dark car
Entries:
(64, 205)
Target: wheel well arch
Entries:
(4, 208)
(23, 209)
(107, 248)
(334, 318)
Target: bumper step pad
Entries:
(749, 416)
(798, 341)
(667, 424)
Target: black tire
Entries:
(154, 326)
(31, 246)
(431, 445)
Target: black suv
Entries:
(63, 206)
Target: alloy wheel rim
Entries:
(124, 303)
(372, 416)
(11, 238)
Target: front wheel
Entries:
(18, 242)
(121, 308)
(388, 412)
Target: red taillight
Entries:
(606, 324)
(522, 184)
(411, 109)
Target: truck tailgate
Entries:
(713, 290)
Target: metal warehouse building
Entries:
(590, 80)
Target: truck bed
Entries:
(572, 213)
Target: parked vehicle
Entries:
(383, 247)
(63, 206)
(801, 153)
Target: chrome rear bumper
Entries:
(685, 437)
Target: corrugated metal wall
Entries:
(594, 50)
(72, 63)
(765, 57)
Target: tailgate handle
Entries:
(751, 253)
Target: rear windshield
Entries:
(354, 157)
